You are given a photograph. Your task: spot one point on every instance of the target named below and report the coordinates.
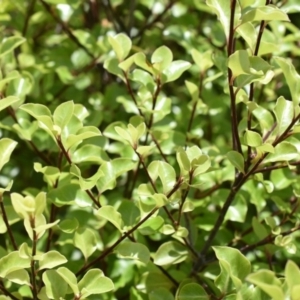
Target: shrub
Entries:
(172, 173)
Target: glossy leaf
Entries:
(56, 288)
(165, 172)
(151, 226)
(175, 70)
(291, 76)
(284, 151)
(191, 291)
(264, 13)
(135, 251)
(68, 225)
(284, 112)
(85, 240)
(222, 9)
(94, 282)
(203, 60)
(20, 277)
(69, 278)
(51, 259)
(252, 138)
(8, 101)
(121, 44)
(267, 282)
(13, 262)
(161, 294)
(7, 146)
(63, 114)
(170, 253)
(234, 268)
(237, 160)
(10, 43)
(161, 58)
(141, 61)
(292, 278)
(110, 214)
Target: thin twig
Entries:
(32, 263)
(5, 219)
(115, 244)
(230, 50)
(6, 292)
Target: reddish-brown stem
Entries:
(115, 244)
(230, 50)
(5, 219)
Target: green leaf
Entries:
(110, 214)
(249, 69)
(192, 291)
(165, 172)
(155, 280)
(284, 151)
(94, 282)
(13, 262)
(85, 183)
(141, 61)
(252, 138)
(161, 294)
(68, 225)
(121, 44)
(292, 278)
(183, 161)
(201, 165)
(267, 282)
(291, 76)
(264, 13)
(151, 226)
(193, 90)
(222, 10)
(56, 288)
(85, 240)
(7, 146)
(112, 66)
(135, 251)
(51, 259)
(63, 114)
(202, 59)
(161, 58)
(51, 174)
(234, 268)
(112, 170)
(82, 134)
(10, 43)
(19, 277)
(69, 194)
(259, 229)
(70, 278)
(36, 110)
(89, 153)
(237, 210)
(237, 160)
(175, 70)
(8, 101)
(170, 253)
(284, 112)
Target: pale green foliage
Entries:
(149, 150)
